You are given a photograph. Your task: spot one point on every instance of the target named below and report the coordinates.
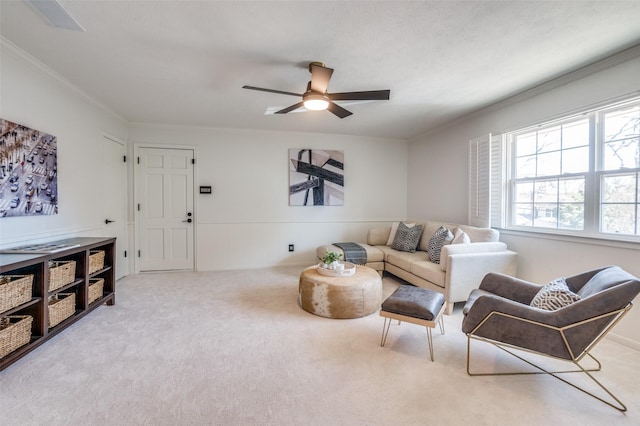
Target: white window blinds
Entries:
(486, 181)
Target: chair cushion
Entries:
(603, 280)
(414, 302)
(554, 296)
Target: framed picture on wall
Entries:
(316, 177)
(28, 171)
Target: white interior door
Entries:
(165, 209)
(114, 200)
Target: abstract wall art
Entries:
(316, 177)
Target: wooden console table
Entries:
(38, 265)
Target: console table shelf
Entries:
(77, 250)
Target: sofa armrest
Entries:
(471, 248)
(465, 272)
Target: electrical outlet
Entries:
(290, 247)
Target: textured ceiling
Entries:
(185, 62)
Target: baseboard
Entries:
(624, 341)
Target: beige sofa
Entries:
(462, 265)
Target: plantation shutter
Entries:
(498, 181)
(486, 180)
(480, 182)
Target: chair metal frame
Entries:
(617, 316)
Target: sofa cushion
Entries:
(378, 236)
(403, 259)
(436, 242)
(429, 271)
(554, 296)
(428, 228)
(406, 238)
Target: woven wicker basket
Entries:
(96, 260)
(17, 334)
(96, 288)
(61, 307)
(61, 273)
(15, 292)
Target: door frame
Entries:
(136, 200)
(122, 245)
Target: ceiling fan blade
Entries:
(338, 110)
(371, 95)
(271, 91)
(291, 108)
(320, 77)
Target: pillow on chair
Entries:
(554, 296)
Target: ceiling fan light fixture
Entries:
(316, 102)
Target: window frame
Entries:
(593, 203)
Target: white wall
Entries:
(248, 223)
(437, 177)
(35, 97)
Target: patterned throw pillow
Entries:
(436, 242)
(554, 296)
(394, 229)
(407, 238)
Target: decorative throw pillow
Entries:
(437, 240)
(407, 238)
(554, 296)
(394, 229)
(460, 237)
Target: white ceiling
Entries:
(185, 62)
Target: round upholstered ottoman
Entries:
(340, 297)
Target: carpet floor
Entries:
(234, 348)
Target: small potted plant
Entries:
(331, 260)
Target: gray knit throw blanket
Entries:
(353, 253)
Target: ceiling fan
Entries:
(317, 98)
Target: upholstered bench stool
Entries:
(414, 305)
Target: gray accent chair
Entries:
(499, 312)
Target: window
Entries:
(578, 174)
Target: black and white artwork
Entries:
(28, 171)
(316, 177)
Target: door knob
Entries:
(188, 220)
(107, 221)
